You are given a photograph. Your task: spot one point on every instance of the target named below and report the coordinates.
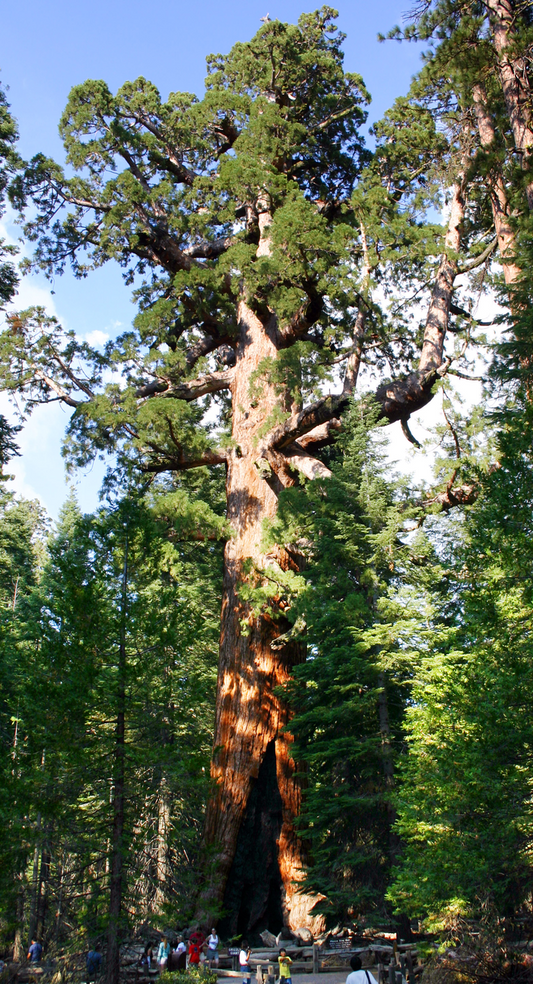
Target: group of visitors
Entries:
(357, 976)
(193, 952)
(284, 965)
(196, 950)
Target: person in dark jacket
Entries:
(94, 963)
(35, 952)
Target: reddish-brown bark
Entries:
(515, 83)
(250, 716)
(498, 195)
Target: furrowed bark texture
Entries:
(515, 83)
(250, 818)
(498, 194)
(257, 857)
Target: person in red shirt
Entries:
(194, 951)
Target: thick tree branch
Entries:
(189, 390)
(204, 346)
(401, 397)
(478, 261)
(316, 414)
(462, 495)
(209, 249)
(306, 464)
(56, 388)
(182, 463)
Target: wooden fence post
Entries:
(316, 968)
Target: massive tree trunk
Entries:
(250, 819)
(257, 857)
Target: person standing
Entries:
(357, 975)
(162, 954)
(284, 963)
(147, 957)
(181, 951)
(194, 950)
(212, 948)
(244, 958)
(93, 963)
(35, 952)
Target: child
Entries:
(284, 967)
(194, 951)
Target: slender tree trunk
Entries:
(42, 893)
(353, 362)
(498, 195)
(59, 899)
(163, 827)
(116, 866)
(18, 950)
(32, 929)
(514, 78)
(395, 844)
(388, 762)
(117, 839)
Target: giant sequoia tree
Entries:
(254, 225)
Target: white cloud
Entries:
(29, 293)
(97, 338)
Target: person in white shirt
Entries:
(212, 948)
(181, 951)
(244, 957)
(357, 975)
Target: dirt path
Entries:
(335, 977)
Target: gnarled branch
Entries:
(182, 463)
(188, 390)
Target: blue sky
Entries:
(47, 48)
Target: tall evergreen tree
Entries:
(347, 711)
(23, 529)
(9, 161)
(116, 675)
(262, 226)
(465, 799)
